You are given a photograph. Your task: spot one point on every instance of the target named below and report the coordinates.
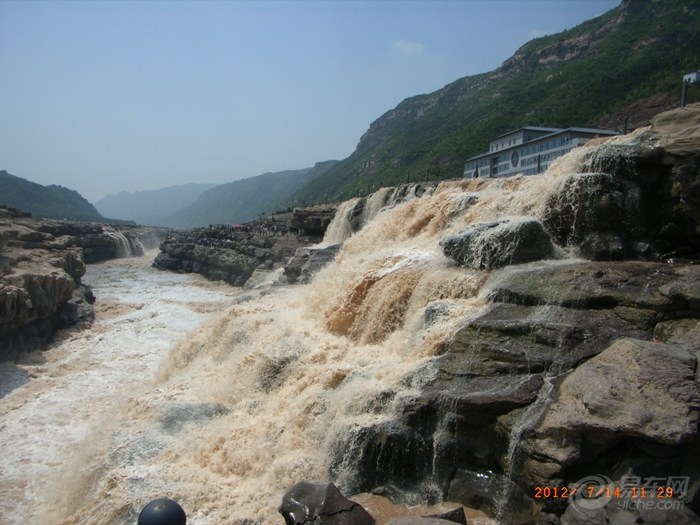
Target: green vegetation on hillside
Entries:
(150, 206)
(574, 78)
(49, 202)
(245, 200)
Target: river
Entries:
(225, 412)
(59, 406)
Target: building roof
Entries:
(554, 133)
(529, 128)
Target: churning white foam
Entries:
(258, 397)
(56, 403)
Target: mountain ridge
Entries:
(582, 76)
(150, 206)
(47, 202)
(245, 199)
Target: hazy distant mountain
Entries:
(151, 206)
(243, 200)
(625, 65)
(50, 202)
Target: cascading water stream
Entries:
(524, 422)
(260, 397)
(127, 244)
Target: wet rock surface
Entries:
(235, 263)
(576, 369)
(307, 262)
(235, 253)
(321, 504)
(485, 246)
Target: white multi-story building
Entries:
(528, 150)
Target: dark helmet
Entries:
(162, 511)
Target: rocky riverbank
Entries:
(246, 253)
(41, 266)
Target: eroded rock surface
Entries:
(41, 266)
(577, 369)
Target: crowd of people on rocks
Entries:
(227, 235)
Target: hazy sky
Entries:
(105, 96)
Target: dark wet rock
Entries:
(391, 455)
(502, 373)
(484, 489)
(177, 415)
(485, 246)
(607, 246)
(313, 221)
(593, 203)
(666, 289)
(306, 262)
(645, 196)
(78, 309)
(455, 516)
(510, 339)
(633, 389)
(436, 310)
(321, 504)
(233, 261)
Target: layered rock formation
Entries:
(234, 264)
(579, 375)
(41, 266)
(234, 253)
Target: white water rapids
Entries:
(226, 418)
(56, 406)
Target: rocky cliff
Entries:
(41, 266)
(578, 384)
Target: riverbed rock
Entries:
(504, 375)
(41, 266)
(321, 504)
(485, 246)
(634, 389)
(645, 194)
(592, 203)
(306, 262)
(233, 262)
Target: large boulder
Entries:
(485, 246)
(321, 503)
(477, 418)
(593, 203)
(306, 262)
(637, 200)
(634, 390)
(233, 261)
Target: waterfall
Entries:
(127, 243)
(524, 422)
(340, 227)
(281, 378)
(354, 214)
